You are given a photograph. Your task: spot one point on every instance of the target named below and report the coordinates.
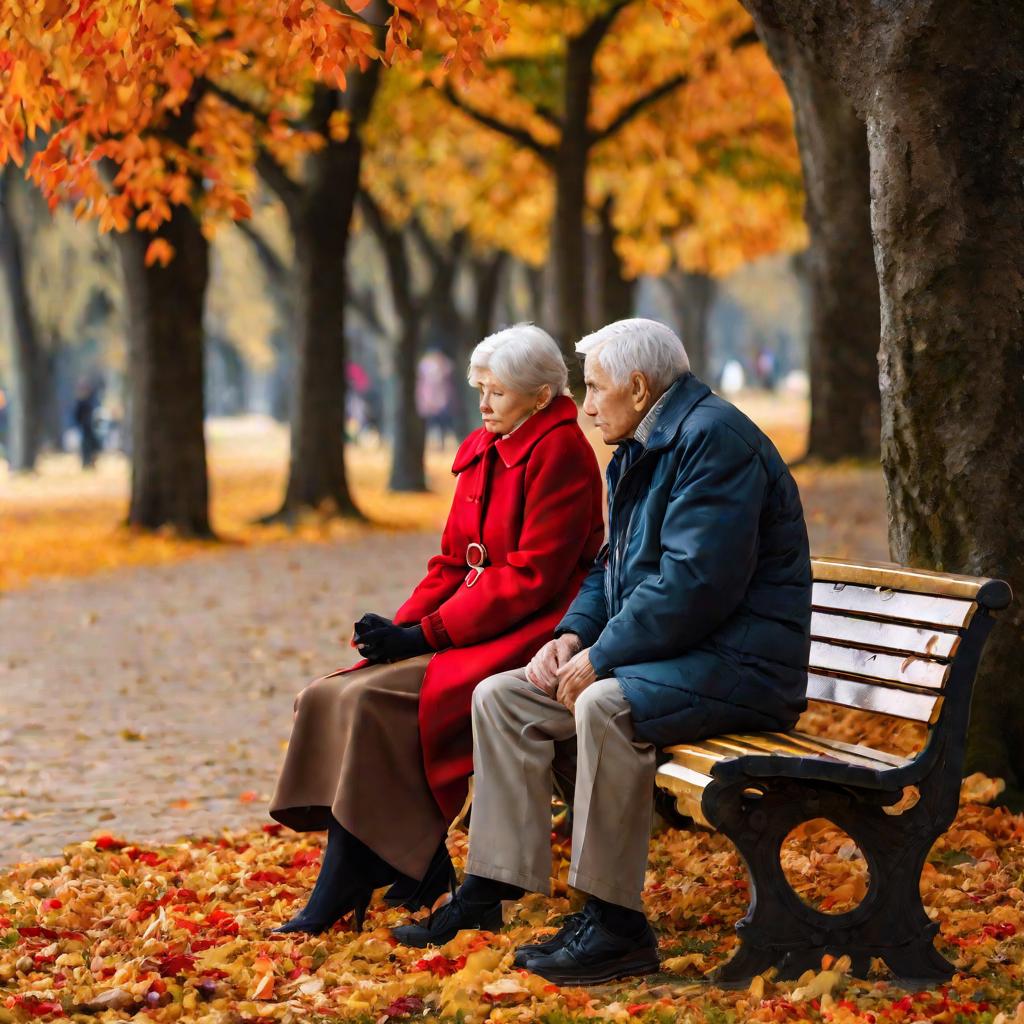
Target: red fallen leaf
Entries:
(107, 842)
(5, 922)
(192, 927)
(1000, 931)
(302, 858)
(185, 896)
(222, 921)
(709, 920)
(248, 796)
(440, 965)
(200, 944)
(267, 876)
(53, 904)
(635, 1009)
(34, 1006)
(175, 964)
(273, 830)
(404, 1005)
(143, 910)
(34, 931)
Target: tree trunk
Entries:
(840, 264)
(615, 291)
(567, 256)
(942, 85)
(320, 215)
(28, 360)
(409, 432)
(165, 347)
(692, 296)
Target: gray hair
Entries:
(523, 357)
(637, 345)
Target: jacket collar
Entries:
(686, 391)
(518, 445)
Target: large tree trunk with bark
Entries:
(165, 348)
(320, 214)
(692, 296)
(840, 262)
(29, 365)
(941, 83)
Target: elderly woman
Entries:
(380, 753)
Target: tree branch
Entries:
(641, 103)
(272, 263)
(520, 135)
(273, 173)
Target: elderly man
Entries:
(693, 621)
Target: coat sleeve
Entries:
(445, 572)
(588, 613)
(558, 524)
(709, 540)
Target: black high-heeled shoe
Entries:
(303, 922)
(439, 877)
(348, 876)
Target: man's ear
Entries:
(639, 390)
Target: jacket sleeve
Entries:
(558, 521)
(588, 613)
(709, 540)
(445, 572)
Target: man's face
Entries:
(617, 408)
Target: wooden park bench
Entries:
(886, 639)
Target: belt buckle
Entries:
(476, 557)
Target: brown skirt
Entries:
(354, 752)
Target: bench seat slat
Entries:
(687, 786)
(892, 668)
(892, 604)
(889, 636)
(884, 700)
(867, 755)
(811, 746)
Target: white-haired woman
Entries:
(380, 754)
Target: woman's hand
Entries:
(574, 677)
(393, 643)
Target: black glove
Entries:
(369, 621)
(393, 643)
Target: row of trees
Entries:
(907, 120)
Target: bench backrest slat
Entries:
(865, 696)
(909, 670)
(888, 636)
(892, 604)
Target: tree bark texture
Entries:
(692, 296)
(165, 317)
(840, 262)
(941, 86)
(29, 366)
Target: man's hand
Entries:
(573, 678)
(543, 668)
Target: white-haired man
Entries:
(694, 621)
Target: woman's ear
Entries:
(543, 397)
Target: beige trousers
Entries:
(520, 736)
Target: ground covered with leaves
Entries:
(116, 931)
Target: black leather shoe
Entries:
(571, 923)
(592, 955)
(446, 922)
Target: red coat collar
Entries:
(518, 445)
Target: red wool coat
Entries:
(534, 500)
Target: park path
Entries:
(155, 702)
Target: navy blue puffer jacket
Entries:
(702, 596)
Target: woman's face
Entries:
(501, 407)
